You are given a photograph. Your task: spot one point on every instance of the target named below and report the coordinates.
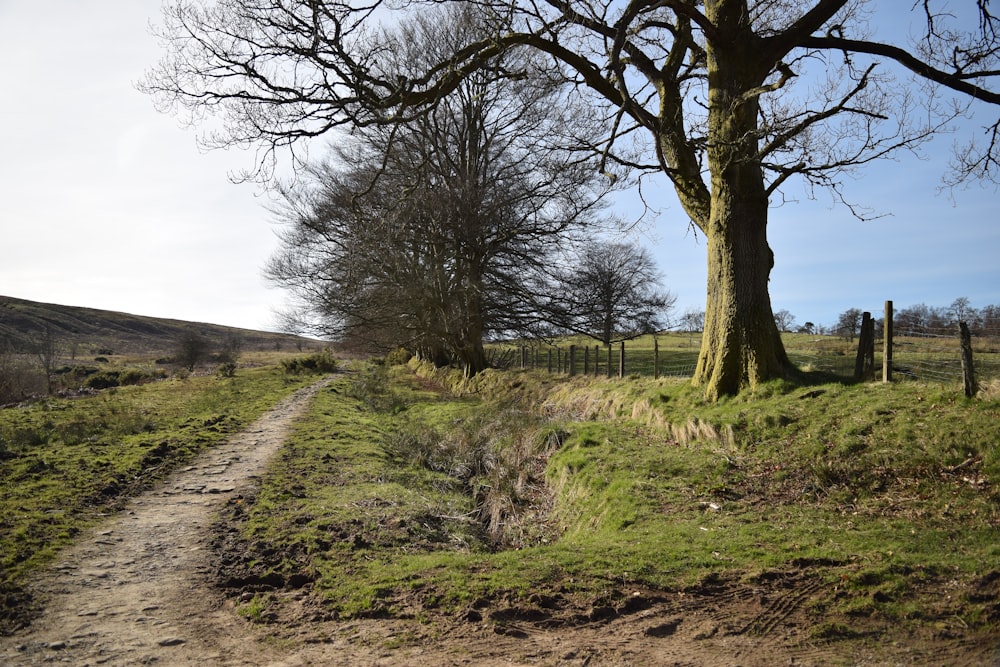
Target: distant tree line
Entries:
(919, 319)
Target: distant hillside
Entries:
(24, 323)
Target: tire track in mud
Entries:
(778, 610)
(136, 591)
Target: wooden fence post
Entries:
(656, 358)
(968, 374)
(621, 361)
(550, 360)
(864, 364)
(586, 360)
(887, 344)
(572, 360)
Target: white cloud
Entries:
(103, 201)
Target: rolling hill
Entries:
(23, 323)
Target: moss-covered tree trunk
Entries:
(741, 345)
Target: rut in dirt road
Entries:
(135, 591)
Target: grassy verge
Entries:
(408, 495)
(65, 463)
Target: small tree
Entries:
(46, 350)
(692, 321)
(961, 310)
(231, 349)
(784, 320)
(192, 349)
(990, 320)
(849, 323)
(612, 291)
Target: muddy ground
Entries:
(144, 589)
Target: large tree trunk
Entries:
(468, 340)
(741, 345)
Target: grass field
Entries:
(417, 494)
(409, 492)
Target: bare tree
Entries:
(849, 323)
(728, 99)
(612, 292)
(192, 349)
(961, 310)
(990, 320)
(693, 320)
(46, 350)
(784, 320)
(433, 234)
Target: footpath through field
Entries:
(136, 591)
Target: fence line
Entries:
(912, 353)
(624, 359)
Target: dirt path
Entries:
(135, 592)
(138, 591)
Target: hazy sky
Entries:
(106, 203)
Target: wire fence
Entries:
(644, 357)
(929, 354)
(935, 355)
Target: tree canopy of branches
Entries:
(784, 320)
(849, 323)
(434, 234)
(612, 292)
(728, 99)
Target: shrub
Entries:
(226, 369)
(131, 376)
(398, 357)
(320, 362)
(102, 380)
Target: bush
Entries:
(131, 376)
(398, 357)
(320, 362)
(226, 369)
(102, 380)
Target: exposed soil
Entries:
(151, 587)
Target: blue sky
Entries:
(106, 203)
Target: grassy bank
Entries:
(411, 494)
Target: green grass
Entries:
(410, 492)
(886, 491)
(64, 463)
